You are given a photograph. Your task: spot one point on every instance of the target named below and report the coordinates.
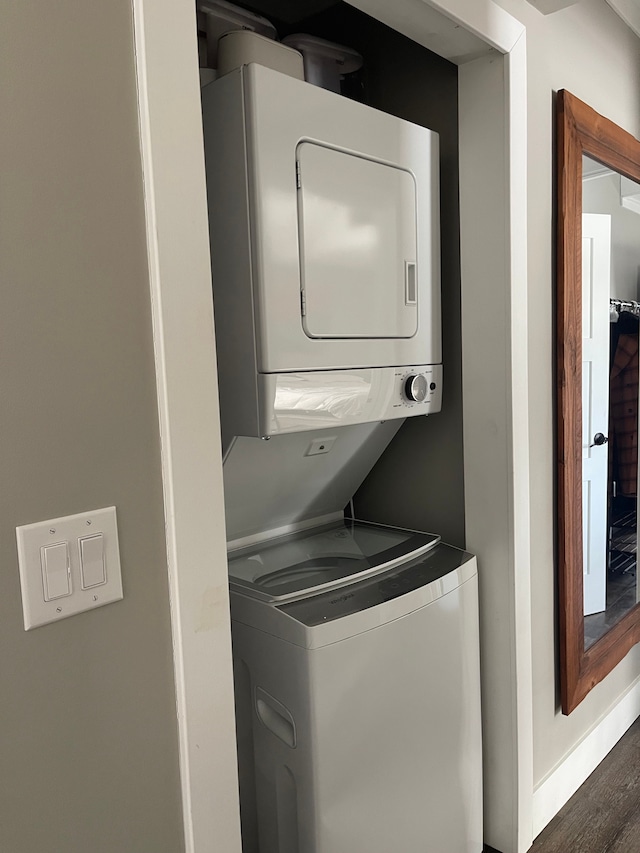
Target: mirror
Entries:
(610, 321)
(598, 314)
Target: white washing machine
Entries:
(358, 692)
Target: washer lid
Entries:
(326, 557)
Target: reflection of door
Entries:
(596, 266)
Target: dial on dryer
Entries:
(416, 387)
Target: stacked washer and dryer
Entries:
(355, 644)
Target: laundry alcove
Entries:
(491, 83)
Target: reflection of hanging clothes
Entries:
(623, 391)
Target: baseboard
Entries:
(564, 780)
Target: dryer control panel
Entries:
(331, 398)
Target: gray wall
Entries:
(88, 739)
(418, 482)
(587, 49)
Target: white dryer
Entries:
(357, 692)
(325, 248)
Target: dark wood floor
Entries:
(603, 816)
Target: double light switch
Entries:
(56, 566)
(68, 565)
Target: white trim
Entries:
(487, 20)
(517, 135)
(629, 196)
(631, 202)
(180, 283)
(598, 173)
(429, 22)
(629, 11)
(564, 780)
(493, 239)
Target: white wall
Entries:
(587, 49)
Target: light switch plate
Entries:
(32, 538)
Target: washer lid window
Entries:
(327, 557)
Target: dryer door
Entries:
(357, 242)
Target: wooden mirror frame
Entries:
(580, 130)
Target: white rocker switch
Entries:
(56, 580)
(68, 565)
(92, 568)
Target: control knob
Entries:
(416, 387)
